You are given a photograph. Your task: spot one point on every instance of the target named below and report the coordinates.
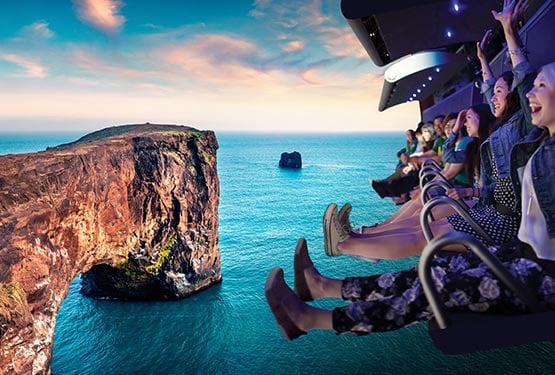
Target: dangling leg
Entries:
(395, 244)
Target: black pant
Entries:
(396, 184)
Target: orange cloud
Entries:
(295, 45)
(324, 77)
(101, 14)
(217, 59)
(32, 68)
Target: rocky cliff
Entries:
(134, 209)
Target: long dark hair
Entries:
(486, 126)
(513, 100)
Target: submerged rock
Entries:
(291, 160)
(133, 208)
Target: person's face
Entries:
(542, 102)
(499, 99)
(438, 126)
(426, 135)
(449, 126)
(472, 123)
(409, 136)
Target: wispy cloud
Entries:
(37, 31)
(93, 62)
(33, 69)
(217, 58)
(341, 41)
(101, 14)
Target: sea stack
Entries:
(291, 160)
(133, 208)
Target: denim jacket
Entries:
(543, 171)
(500, 142)
(452, 153)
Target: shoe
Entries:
(301, 262)
(333, 233)
(276, 290)
(343, 216)
(378, 188)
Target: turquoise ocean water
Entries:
(228, 329)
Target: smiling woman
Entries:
(542, 98)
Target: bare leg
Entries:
(396, 245)
(402, 226)
(411, 217)
(406, 210)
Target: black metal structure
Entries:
(392, 29)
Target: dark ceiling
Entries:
(398, 32)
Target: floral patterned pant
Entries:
(393, 300)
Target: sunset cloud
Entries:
(101, 14)
(33, 69)
(295, 45)
(325, 77)
(218, 59)
(290, 13)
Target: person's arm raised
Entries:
(487, 73)
(512, 10)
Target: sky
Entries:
(222, 65)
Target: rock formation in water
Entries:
(291, 160)
(133, 208)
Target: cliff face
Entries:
(133, 208)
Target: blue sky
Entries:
(257, 65)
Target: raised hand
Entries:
(481, 46)
(512, 10)
(505, 16)
(518, 13)
(459, 122)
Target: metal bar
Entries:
(458, 207)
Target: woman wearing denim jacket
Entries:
(461, 151)
(394, 300)
(498, 146)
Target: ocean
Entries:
(228, 328)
